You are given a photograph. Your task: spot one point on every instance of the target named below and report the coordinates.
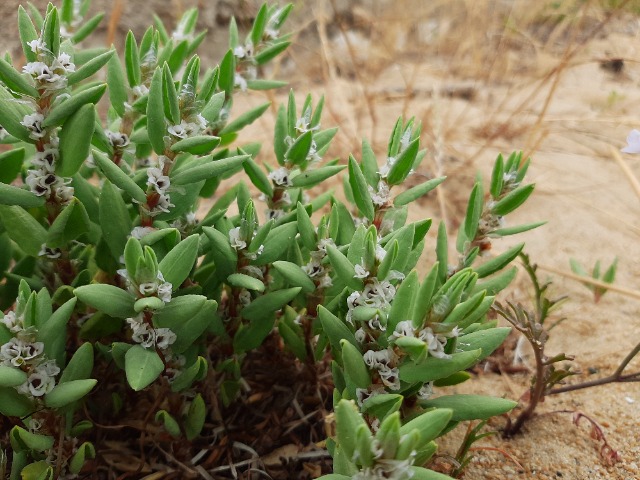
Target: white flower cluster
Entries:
(42, 180)
(148, 336)
(384, 361)
(281, 177)
(315, 268)
(158, 288)
(117, 140)
(235, 240)
(49, 252)
(188, 129)
(377, 294)
(245, 65)
(23, 352)
(435, 341)
(380, 196)
(186, 222)
(160, 183)
(386, 469)
(48, 76)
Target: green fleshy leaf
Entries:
(85, 452)
(72, 222)
(65, 393)
(198, 145)
(23, 440)
(245, 119)
(344, 269)
(485, 340)
(25, 230)
(416, 192)
(156, 124)
(269, 303)
(11, 377)
(294, 275)
(499, 262)
(142, 367)
(335, 329)
(178, 263)
(195, 418)
(314, 177)
(169, 423)
(75, 140)
(118, 177)
(12, 404)
(114, 219)
(360, 190)
(15, 81)
(403, 164)
(471, 407)
(87, 28)
(10, 195)
(108, 299)
(245, 281)
(63, 110)
(208, 169)
(429, 424)
(512, 200)
(11, 164)
(434, 368)
(89, 68)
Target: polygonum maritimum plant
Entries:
(122, 301)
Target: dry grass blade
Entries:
(596, 283)
(633, 180)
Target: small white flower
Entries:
(49, 252)
(633, 142)
(240, 82)
(117, 139)
(184, 129)
(63, 64)
(36, 45)
(144, 335)
(164, 292)
(33, 122)
(361, 335)
(37, 385)
(164, 338)
(390, 377)
(426, 391)
(140, 90)
(141, 232)
(234, 239)
(13, 323)
(46, 160)
(148, 288)
(403, 329)
(361, 272)
(380, 197)
(162, 206)
(17, 352)
(281, 176)
(435, 342)
(380, 253)
(159, 181)
(244, 297)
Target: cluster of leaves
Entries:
(609, 276)
(102, 248)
